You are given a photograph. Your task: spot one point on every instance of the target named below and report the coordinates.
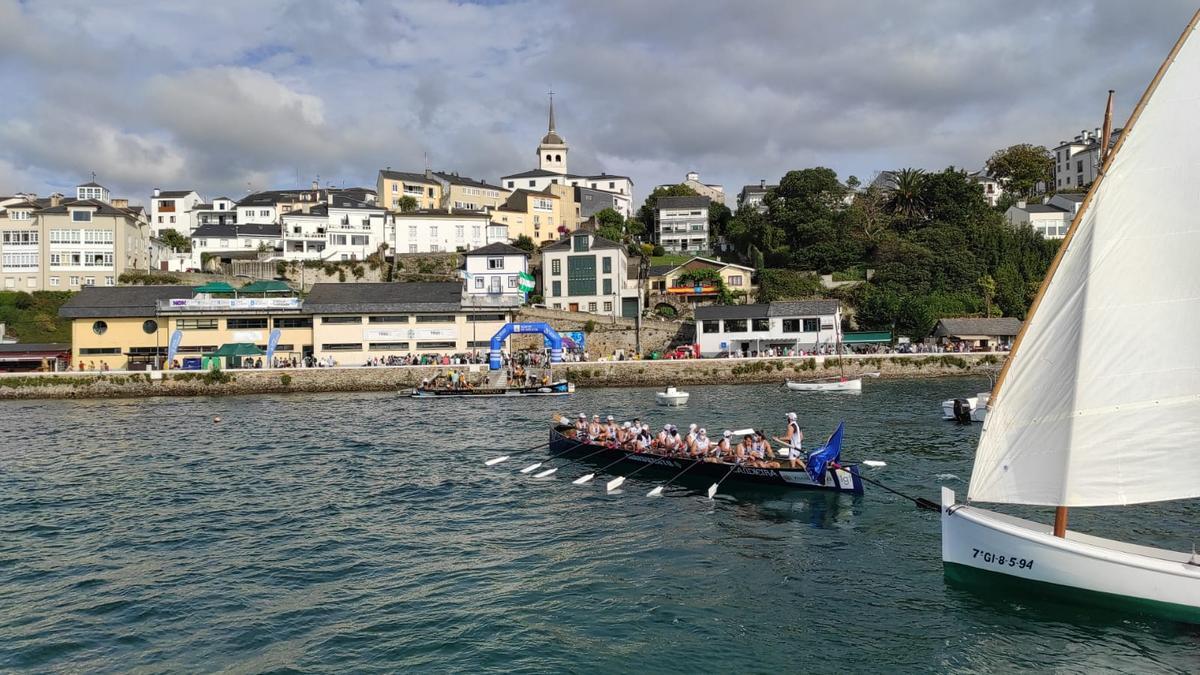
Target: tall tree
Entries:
(1020, 168)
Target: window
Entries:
(735, 280)
(608, 306)
(342, 347)
(435, 318)
(53, 281)
(98, 351)
(591, 307)
(580, 243)
(479, 283)
(495, 263)
(99, 327)
(233, 324)
(386, 346)
(735, 325)
(581, 274)
(791, 325)
(196, 324)
(607, 265)
(396, 318)
(760, 325)
(812, 325)
(556, 289)
(341, 319)
(608, 287)
(293, 322)
(486, 317)
(81, 216)
(556, 267)
(710, 326)
(149, 326)
(436, 345)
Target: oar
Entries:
(921, 502)
(712, 489)
(659, 490)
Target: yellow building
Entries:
(425, 188)
(537, 215)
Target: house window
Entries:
(710, 326)
(735, 280)
(812, 325)
(735, 325)
(760, 325)
(592, 307)
(81, 216)
(608, 265)
(495, 263)
(556, 267)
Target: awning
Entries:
(237, 349)
(216, 287)
(266, 287)
(870, 337)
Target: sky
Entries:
(226, 97)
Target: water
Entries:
(360, 532)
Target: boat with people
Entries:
(559, 388)
(831, 477)
(1074, 420)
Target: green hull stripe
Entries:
(997, 581)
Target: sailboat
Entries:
(1081, 415)
(832, 383)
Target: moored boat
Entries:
(563, 444)
(559, 388)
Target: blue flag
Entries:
(819, 459)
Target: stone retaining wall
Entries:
(594, 374)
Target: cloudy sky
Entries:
(228, 95)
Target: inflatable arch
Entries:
(496, 362)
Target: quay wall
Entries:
(588, 374)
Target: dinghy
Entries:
(1080, 418)
(672, 397)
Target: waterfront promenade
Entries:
(134, 384)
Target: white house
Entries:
(443, 230)
(342, 228)
(173, 210)
(586, 273)
(491, 275)
(801, 326)
(681, 223)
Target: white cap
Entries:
(791, 416)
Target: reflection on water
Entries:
(362, 532)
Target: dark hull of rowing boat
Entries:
(845, 480)
(561, 388)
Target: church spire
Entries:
(551, 110)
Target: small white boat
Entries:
(671, 396)
(840, 384)
(976, 407)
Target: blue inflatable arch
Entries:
(496, 361)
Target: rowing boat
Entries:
(563, 444)
(560, 388)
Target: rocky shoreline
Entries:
(590, 374)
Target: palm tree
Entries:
(906, 200)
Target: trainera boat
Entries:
(1078, 419)
(563, 444)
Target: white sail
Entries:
(1101, 403)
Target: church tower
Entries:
(552, 151)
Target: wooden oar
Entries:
(659, 490)
(921, 502)
(712, 490)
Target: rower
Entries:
(792, 441)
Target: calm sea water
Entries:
(361, 532)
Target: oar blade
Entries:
(547, 472)
(583, 479)
(495, 460)
(614, 484)
(712, 490)
(655, 492)
(531, 467)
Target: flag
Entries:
(819, 459)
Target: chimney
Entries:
(157, 192)
(120, 203)
(55, 199)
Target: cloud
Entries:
(275, 92)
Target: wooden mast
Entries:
(1060, 514)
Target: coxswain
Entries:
(792, 442)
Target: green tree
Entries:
(524, 243)
(175, 240)
(1020, 168)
